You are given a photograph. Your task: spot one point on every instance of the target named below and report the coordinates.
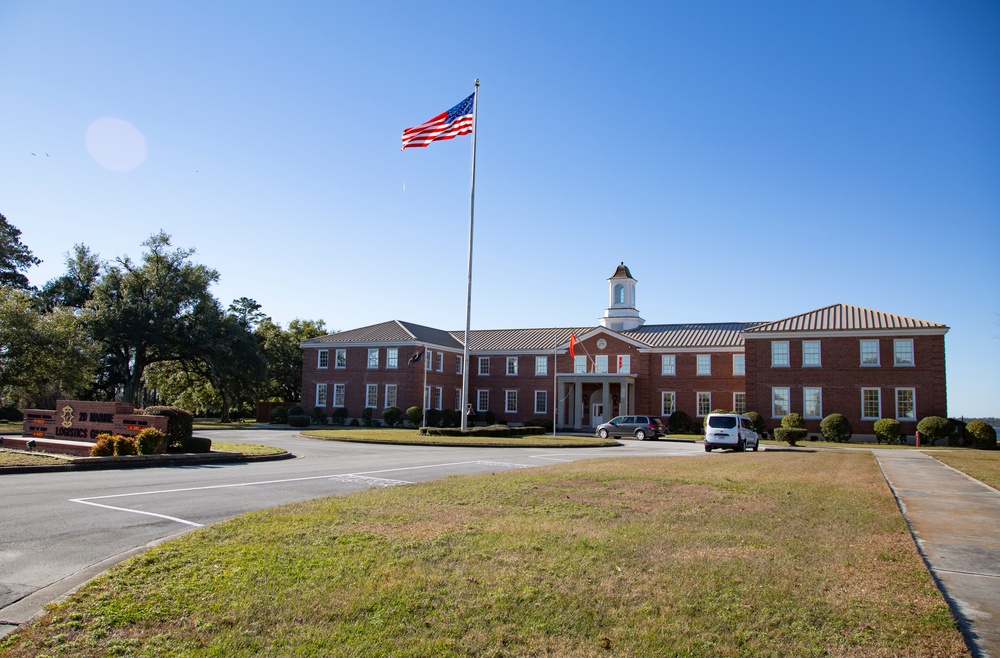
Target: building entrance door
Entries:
(597, 413)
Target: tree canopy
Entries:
(14, 256)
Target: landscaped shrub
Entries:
(757, 420)
(450, 418)
(355, 423)
(679, 423)
(392, 416)
(490, 430)
(196, 444)
(790, 435)
(299, 420)
(295, 410)
(544, 423)
(125, 445)
(489, 417)
(887, 429)
(150, 441)
(935, 428)
(836, 427)
(434, 418)
(339, 415)
(415, 415)
(104, 446)
(792, 420)
(180, 423)
(983, 435)
(318, 415)
(278, 416)
(366, 416)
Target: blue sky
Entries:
(747, 160)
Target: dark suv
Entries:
(641, 427)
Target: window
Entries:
(810, 354)
(739, 365)
(484, 365)
(902, 352)
(812, 402)
(668, 364)
(458, 368)
(625, 364)
(338, 394)
(320, 395)
(482, 400)
(439, 361)
(668, 403)
(580, 364)
(371, 395)
(779, 353)
(392, 357)
(601, 363)
(438, 398)
(704, 403)
(704, 366)
(619, 293)
(429, 361)
(458, 399)
(779, 402)
(324, 359)
(906, 404)
(541, 365)
(512, 366)
(373, 358)
(427, 397)
(511, 402)
(869, 352)
(541, 402)
(340, 359)
(871, 403)
(740, 403)
(390, 395)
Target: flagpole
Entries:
(468, 302)
(425, 395)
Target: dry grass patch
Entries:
(15, 458)
(395, 435)
(984, 465)
(773, 554)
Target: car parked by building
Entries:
(733, 431)
(641, 427)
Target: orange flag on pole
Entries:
(572, 345)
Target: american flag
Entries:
(447, 125)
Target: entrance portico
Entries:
(589, 399)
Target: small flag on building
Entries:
(572, 345)
(416, 356)
(447, 125)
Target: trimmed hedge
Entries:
(180, 423)
(888, 430)
(151, 441)
(278, 416)
(299, 420)
(104, 446)
(836, 427)
(791, 435)
(983, 435)
(196, 444)
(935, 428)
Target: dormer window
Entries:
(619, 294)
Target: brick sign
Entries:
(75, 420)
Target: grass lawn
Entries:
(756, 554)
(249, 449)
(984, 465)
(10, 458)
(386, 435)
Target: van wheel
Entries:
(708, 448)
(603, 433)
(740, 446)
(755, 446)
(640, 435)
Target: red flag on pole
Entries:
(572, 345)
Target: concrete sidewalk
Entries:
(955, 521)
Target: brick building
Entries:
(840, 359)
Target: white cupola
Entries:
(621, 314)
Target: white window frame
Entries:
(812, 359)
(511, 366)
(624, 364)
(780, 357)
(484, 365)
(668, 365)
(703, 403)
(878, 404)
(439, 361)
(909, 358)
(806, 391)
(458, 367)
(869, 342)
(703, 367)
(427, 398)
(483, 400)
(340, 358)
(321, 395)
(543, 398)
(373, 358)
(580, 364)
(339, 394)
(739, 365)
(371, 396)
(510, 401)
(458, 399)
(541, 366)
(392, 357)
(740, 402)
(323, 359)
(428, 361)
(668, 402)
(787, 399)
(391, 395)
(438, 398)
(913, 404)
(601, 363)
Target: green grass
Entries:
(386, 435)
(10, 458)
(216, 424)
(984, 465)
(248, 449)
(765, 554)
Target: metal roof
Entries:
(844, 317)
(393, 331)
(717, 334)
(518, 340)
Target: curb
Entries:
(144, 461)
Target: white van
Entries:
(734, 431)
